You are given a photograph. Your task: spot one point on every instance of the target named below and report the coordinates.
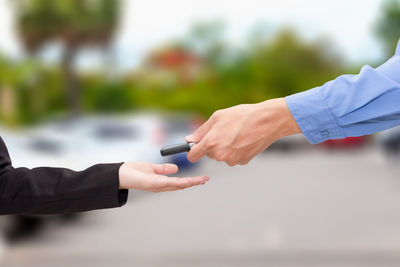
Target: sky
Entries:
(147, 23)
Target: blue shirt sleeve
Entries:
(351, 105)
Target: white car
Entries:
(82, 142)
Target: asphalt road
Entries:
(309, 208)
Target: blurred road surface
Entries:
(309, 208)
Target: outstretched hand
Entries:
(152, 177)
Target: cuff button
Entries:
(324, 133)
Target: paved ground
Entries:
(310, 208)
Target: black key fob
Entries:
(175, 149)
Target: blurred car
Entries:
(389, 140)
(82, 142)
(174, 131)
(346, 143)
(289, 144)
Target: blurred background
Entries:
(90, 81)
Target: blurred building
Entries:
(171, 65)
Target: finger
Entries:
(186, 183)
(231, 163)
(232, 159)
(198, 135)
(197, 152)
(182, 183)
(165, 168)
(244, 162)
(247, 159)
(177, 188)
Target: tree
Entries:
(75, 23)
(282, 65)
(388, 25)
(207, 40)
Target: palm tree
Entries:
(74, 23)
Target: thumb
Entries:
(165, 168)
(201, 131)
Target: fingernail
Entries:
(190, 137)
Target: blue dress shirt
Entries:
(351, 105)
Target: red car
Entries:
(348, 142)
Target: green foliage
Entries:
(75, 22)
(41, 96)
(288, 65)
(207, 39)
(267, 69)
(270, 68)
(37, 91)
(388, 25)
(101, 95)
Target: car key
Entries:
(175, 149)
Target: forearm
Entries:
(57, 190)
(275, 119)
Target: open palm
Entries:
(152, 177)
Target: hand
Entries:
(151, 177)
(237, 134)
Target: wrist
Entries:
(121, 177)
(280, 118)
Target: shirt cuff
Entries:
(313, 116)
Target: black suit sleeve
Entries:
(57, 190)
